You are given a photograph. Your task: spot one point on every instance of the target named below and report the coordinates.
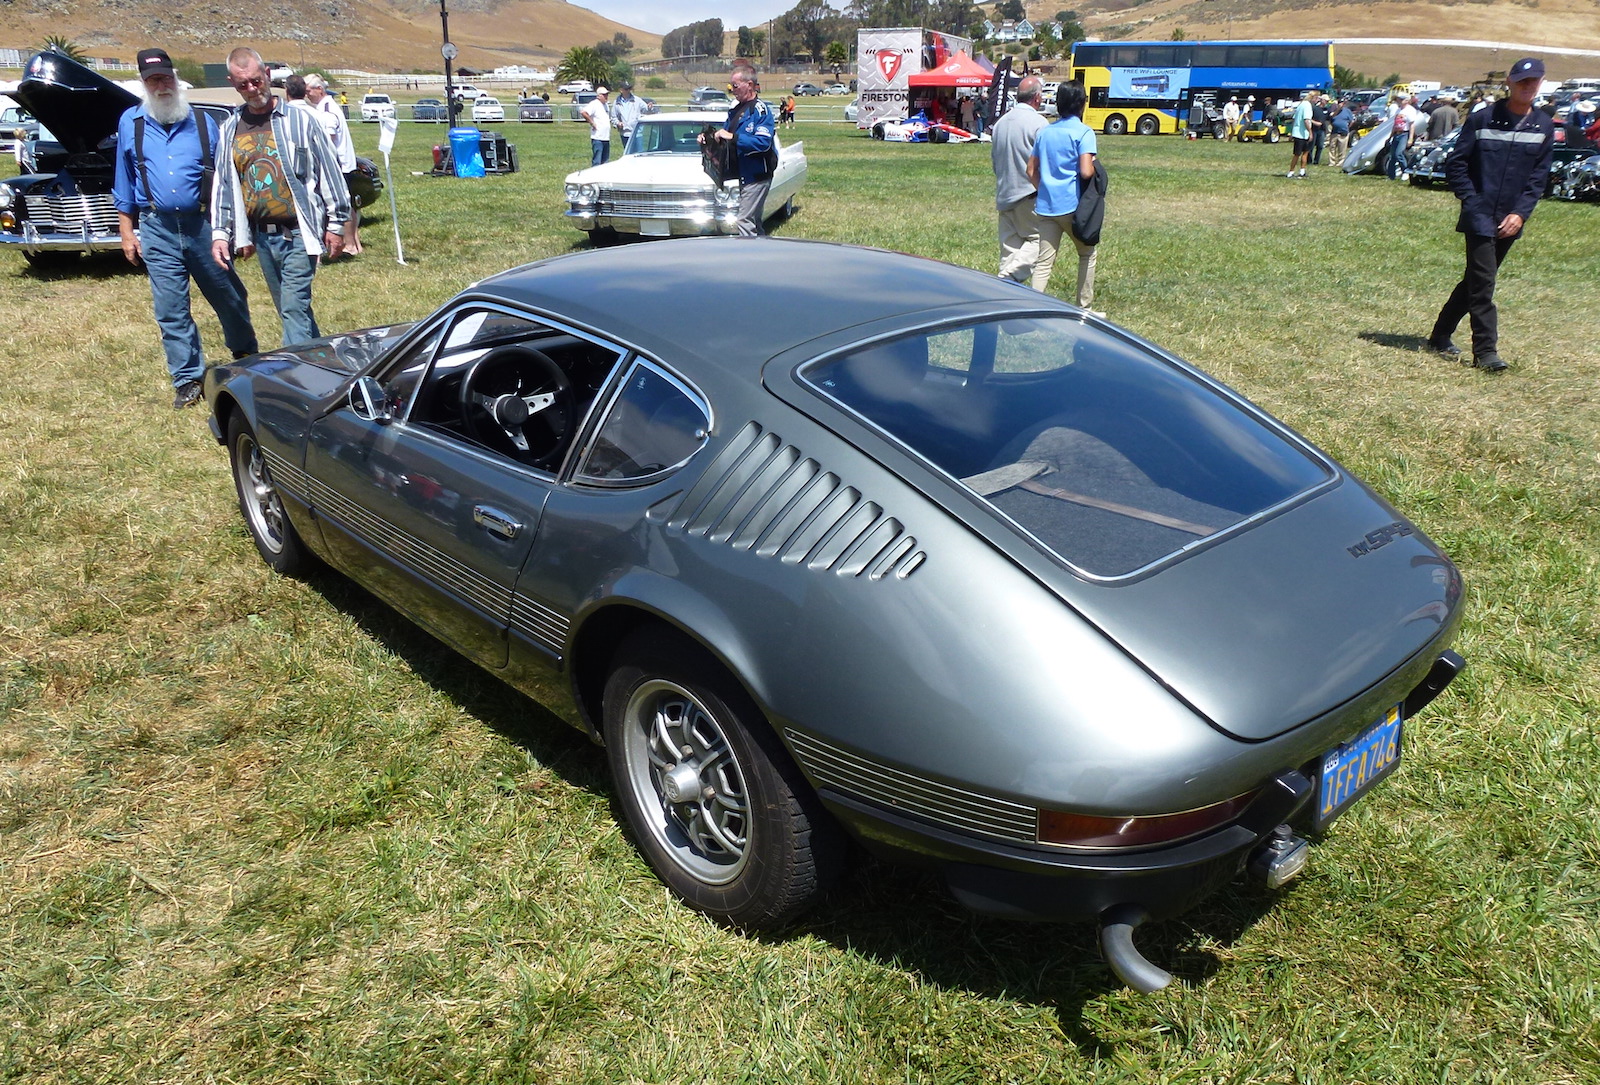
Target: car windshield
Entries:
(1105, 453)
(665, 137)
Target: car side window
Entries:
(506, 383)
(653, 427)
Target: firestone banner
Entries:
(886, 58)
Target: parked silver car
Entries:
(919, 556)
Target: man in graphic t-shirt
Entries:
(290, 216)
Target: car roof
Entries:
(736, 302)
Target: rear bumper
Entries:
(1053, 884)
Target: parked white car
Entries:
(575, 86)
(468, 93)
(375, 107)
(659, 188)
(485, 108)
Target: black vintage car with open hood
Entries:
(63, 205)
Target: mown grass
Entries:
(261, 830)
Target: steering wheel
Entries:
(517, 400)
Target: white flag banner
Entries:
(388, 126)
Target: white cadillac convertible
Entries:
(658, 188)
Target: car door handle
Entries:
(495, 521)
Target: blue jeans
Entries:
(288, 269)
(1397, 153)
(177, 247)
(599, 151)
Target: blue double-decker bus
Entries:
(1148, 86)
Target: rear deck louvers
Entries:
(764, 495)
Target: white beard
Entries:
(168, 109)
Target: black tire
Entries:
(261, 506)
(1273, 135)
(1116, 125)
(1219, 131)
(716, 807)
(1148, 125)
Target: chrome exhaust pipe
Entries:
(1116, 946)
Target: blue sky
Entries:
(660, 16)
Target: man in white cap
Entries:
(598, 114)
(1498, 171)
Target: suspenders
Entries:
(208, 169)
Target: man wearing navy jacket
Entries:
(161, 188)
(751, 126)
(1498, 171)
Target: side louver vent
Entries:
(762, 494)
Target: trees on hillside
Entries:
(703, 38)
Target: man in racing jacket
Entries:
(1498, 171)
(751, 126)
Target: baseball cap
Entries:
(157, 62)
(1526, 68)
(601, 90)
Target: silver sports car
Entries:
(829, 542)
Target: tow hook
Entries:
(1116, 945)
(1280, 857)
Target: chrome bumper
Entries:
(87, 239)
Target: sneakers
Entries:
(1302, 171)
(1490, 362)
(188, 394)
(1445, 349)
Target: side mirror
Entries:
(368, 401)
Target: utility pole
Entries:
(448, 51)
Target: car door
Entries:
(433, 501)
(596, 529)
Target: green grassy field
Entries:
(261, 830)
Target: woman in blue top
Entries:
(1063, 158)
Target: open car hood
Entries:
(79, 106)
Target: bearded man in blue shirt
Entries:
(162, 187)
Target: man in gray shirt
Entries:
(1014, 135)
(625, 112)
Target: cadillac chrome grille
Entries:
(953, 807)
(653, 203)
(67, 214)
(764, 495)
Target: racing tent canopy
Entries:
(959, 71)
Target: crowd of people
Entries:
(1045, 174)
(193, 197)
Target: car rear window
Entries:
(1107, 454)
